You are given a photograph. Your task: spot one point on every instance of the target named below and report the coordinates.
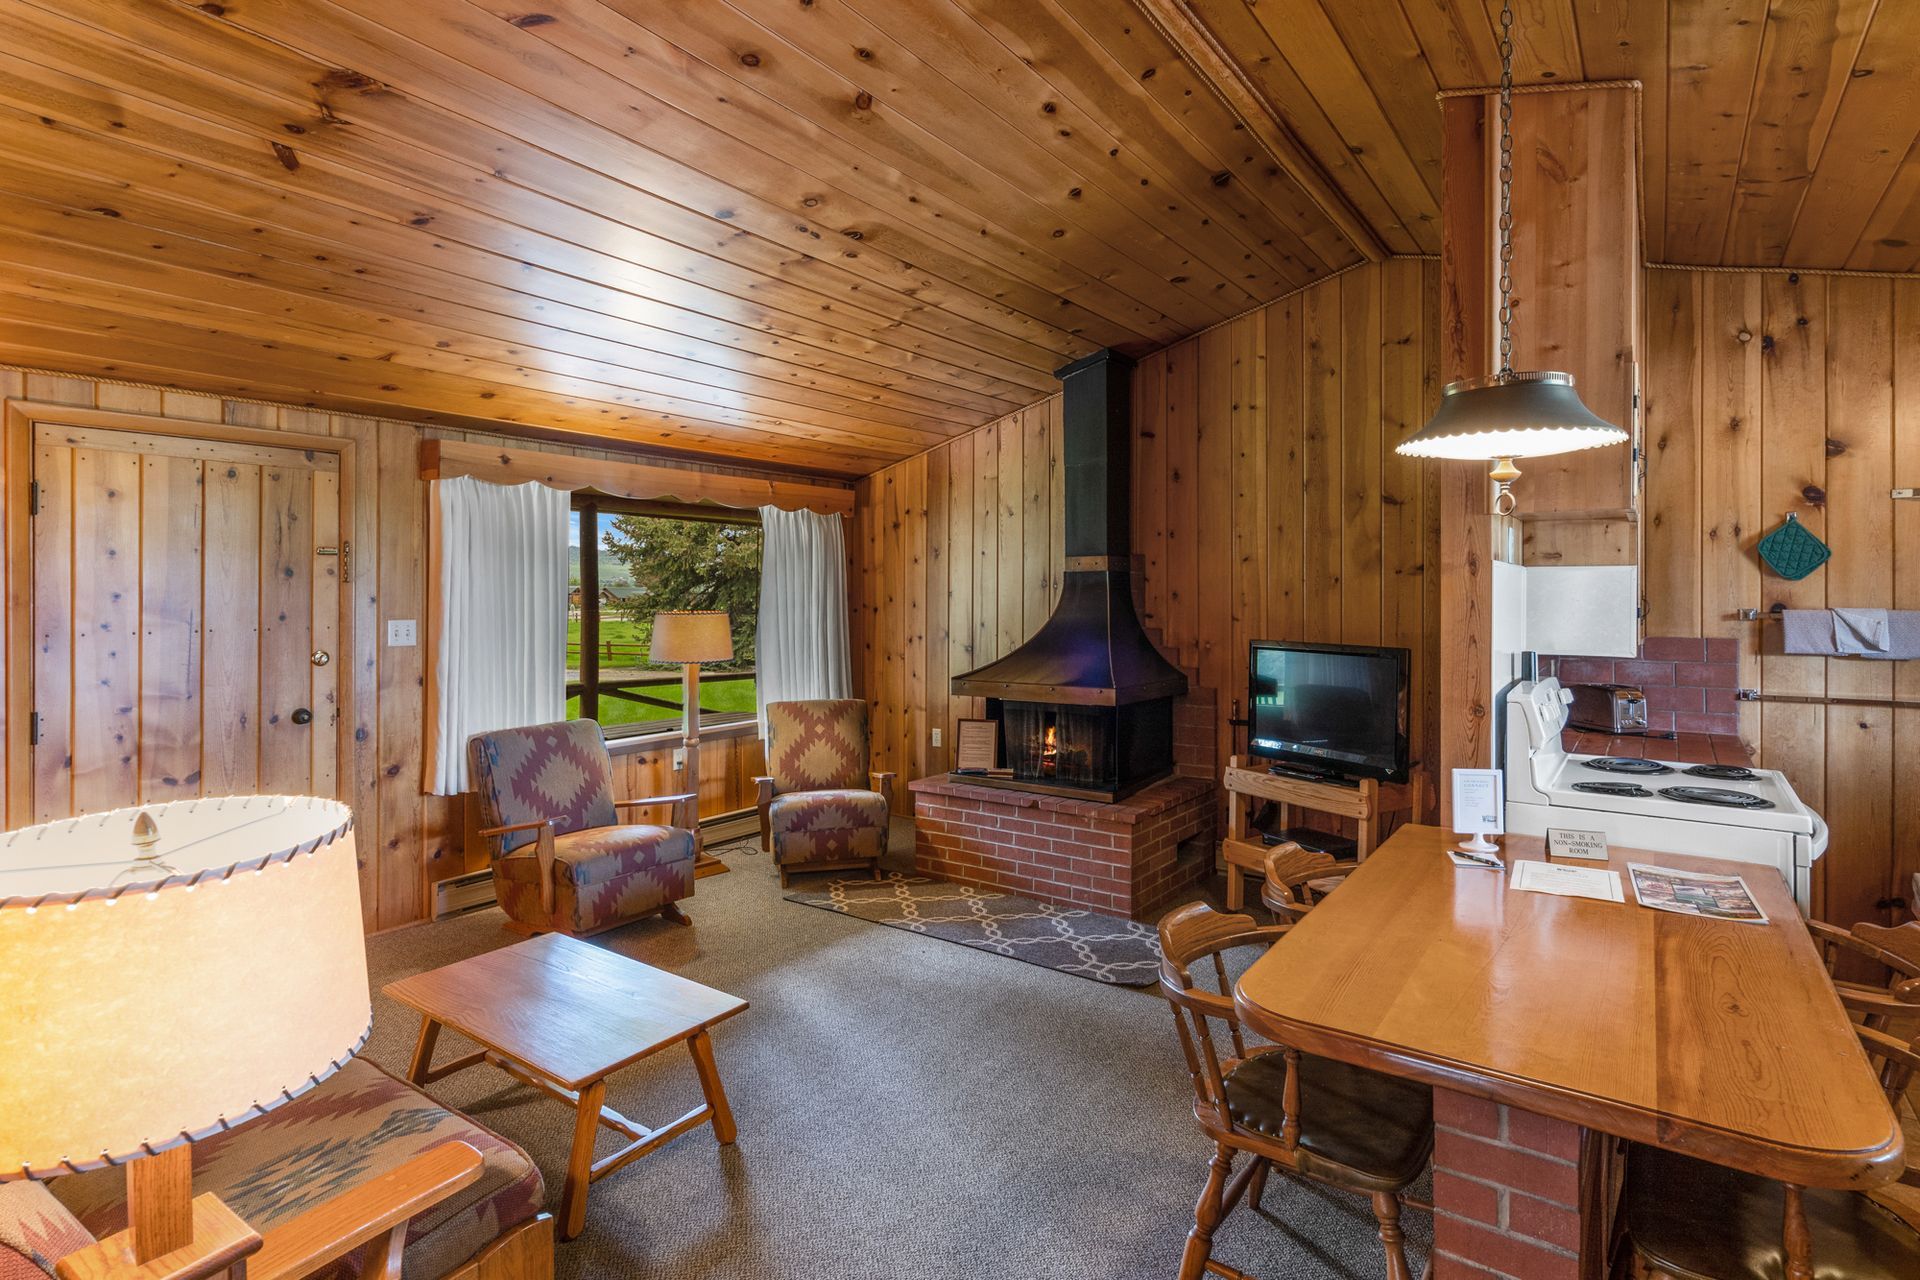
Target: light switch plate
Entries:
(679, 757)
(402, 633)
(936, 737)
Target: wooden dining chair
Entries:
(1889, 1003)
(1298, 878)
(1902, 940)
(1686, 1219)
(1317, 1118)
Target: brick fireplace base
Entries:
(1122, 858)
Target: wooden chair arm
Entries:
(1871, 1002)
(763, 801)
(685, 806)
(515, 826)
(645, 801)
(374, 1214)
(882, 781)
(542, 849)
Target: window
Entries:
(632, 560)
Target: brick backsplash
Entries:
(1689, 681)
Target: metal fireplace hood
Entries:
(1093, 649)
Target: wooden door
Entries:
(186, 619)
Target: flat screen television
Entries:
(1329, 708)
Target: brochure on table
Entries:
(1568, 882)
(1695, 893)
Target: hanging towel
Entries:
(1806, 631)
(1860, 631)
(1903, 634)
(1821, 631)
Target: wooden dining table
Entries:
(1552, 1028)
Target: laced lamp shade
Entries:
(692, 636)
(1503, 416)
(689, 637)
(172, 972)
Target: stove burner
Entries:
(1633, 789)
(1716, 795)
(1620, 764)
(1722, 772)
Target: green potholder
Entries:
(1792, 551)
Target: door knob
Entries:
(320, 657)
(302, 716)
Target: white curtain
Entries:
(801, 651)
(503, 615)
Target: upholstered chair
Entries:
(821, 808)
(563, 861)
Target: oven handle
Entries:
(1819, 837)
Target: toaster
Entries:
(1608, 708)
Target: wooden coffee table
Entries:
(562, 1016)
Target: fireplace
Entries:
(1085, 707)
(1096, 751)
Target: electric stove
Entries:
(1711, 811)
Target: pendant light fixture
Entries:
(1509, 414)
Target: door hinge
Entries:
(33, 497)
(33, 728)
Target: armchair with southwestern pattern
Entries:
(361, 1176)
(563, 862)
(821, 809)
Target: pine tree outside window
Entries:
(632, 560)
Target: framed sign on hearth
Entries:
(977, 747)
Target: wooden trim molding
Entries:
(444, 459)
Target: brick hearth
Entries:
(1122, 858)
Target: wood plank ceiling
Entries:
(1774, 133)
(827, 234)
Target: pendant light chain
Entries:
(1506, 192)
(1507, 415)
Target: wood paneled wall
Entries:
(407, 840)
(1268, 503)
(1770, 394)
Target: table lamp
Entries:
(690, 637)
(169, 973)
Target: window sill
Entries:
(672, 739)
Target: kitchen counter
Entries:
(1685, 748)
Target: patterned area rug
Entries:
(1069, 939)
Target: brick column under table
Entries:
(1518, 1196)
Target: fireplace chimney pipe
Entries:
(1097, 425)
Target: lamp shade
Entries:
(1525, 415)
(149, 1003)
(692, 635)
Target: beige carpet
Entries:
(907, 1107)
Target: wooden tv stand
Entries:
(1366, 802)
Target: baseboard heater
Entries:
(457, 895)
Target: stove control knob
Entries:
(1566, 697)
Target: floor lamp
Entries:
(170, 973)
(687, 638)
